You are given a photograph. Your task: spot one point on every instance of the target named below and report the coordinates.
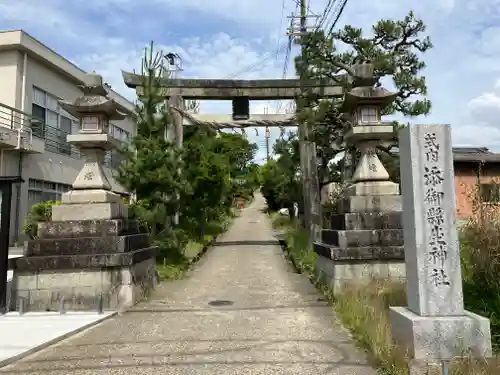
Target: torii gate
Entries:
(178, 90)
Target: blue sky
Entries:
(226, 36)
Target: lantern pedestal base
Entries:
(97, 140)
(373, 188)
(90, 196)
(89, 211)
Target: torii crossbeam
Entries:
(226, 89)
(226, 121)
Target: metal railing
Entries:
(55, 138)
(13, 118)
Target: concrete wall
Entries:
(120, 287)
(10, 78)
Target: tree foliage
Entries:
(281, 185)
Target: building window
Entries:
(43, 191)
(490, 193)
(54, 122)
(369, 114)
(114, 158)
(118, 133)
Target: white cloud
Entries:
(227, 36)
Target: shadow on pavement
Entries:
(247, 243)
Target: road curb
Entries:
(55, 340)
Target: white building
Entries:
(33, 127)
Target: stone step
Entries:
(367, 220)
(86, 245)
(363, 237)
(84, 261)
(362, 253)
(87, 228)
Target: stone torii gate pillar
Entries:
(177, 101)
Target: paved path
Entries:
(277, 322)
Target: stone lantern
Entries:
(95, 110)
(366, 237)
(365, 103)
(90, 256)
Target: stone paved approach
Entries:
(278, 324)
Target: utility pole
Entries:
(302, 128)
(308, 165)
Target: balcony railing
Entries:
(55, 138)
(13, 118)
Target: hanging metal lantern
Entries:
(241, 108)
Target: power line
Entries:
(325, 15)
(266, 57)
(281, 22)
(311, 13)
(338, 12)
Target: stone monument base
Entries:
(119, 280)
(441, 337)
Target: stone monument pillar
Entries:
(90, 251)
(366, 240)
(435, 326)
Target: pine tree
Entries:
(152, 165)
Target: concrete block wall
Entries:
(82, 289)
(337, 274)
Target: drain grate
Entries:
(220, 302)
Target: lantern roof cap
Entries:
(367, 95)
(95, 100)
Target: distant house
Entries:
(477, 178)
